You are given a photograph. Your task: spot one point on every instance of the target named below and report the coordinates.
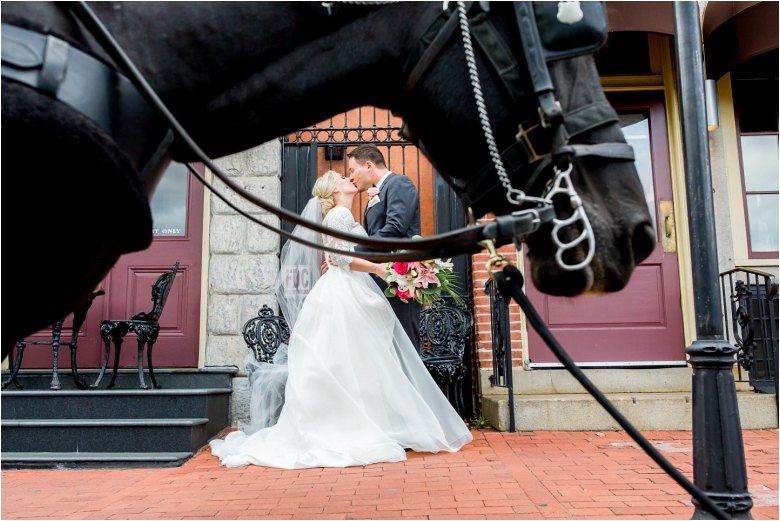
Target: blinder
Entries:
(52, 66)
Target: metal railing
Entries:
(750, 304)
(501, 346)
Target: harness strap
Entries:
(588, 117)
(551, 112)
(520, 154)
(510, 285)
(428, 47)
(500, 56)
(532, 49)
(48, 64)
(55, 64)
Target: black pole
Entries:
(718, 453)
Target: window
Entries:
(755, 92)
(169, 204)
(636, 130)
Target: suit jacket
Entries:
(397, 214)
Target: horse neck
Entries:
(241, 73)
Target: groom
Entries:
(393, 212)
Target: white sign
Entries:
(296, 280)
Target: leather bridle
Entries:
(524, 159)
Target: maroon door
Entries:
(177, 208)
(643, 322)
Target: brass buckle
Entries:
(522, 133)
(496, 259)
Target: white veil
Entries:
(300, 269)
(300, 265)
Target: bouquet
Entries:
(422, 281)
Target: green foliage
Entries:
(480, 423)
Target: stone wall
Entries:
(243, 262)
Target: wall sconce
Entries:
(711, 104)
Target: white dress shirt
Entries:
(379, 184)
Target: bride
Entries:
(357, 391)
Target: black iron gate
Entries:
(750, 299)
(313, 150)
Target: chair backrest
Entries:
(160, 290)
(264, 333)
(446, 329)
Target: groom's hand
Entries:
(324, 268)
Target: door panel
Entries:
(643, 322)
(177, 209)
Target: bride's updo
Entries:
(323, 188)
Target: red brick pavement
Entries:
(533, 475)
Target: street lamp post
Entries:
(718, 453)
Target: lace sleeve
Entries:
(339, 219)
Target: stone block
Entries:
(226, 350)
(560, 381)
(646, 411)
(252, 304)
(243, 274)
(239, 401)
(266, 188)
(227, 233)
(263, 240)
(262, 160)
(224, 316)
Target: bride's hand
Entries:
(381, 270)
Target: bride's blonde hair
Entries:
(323, 188)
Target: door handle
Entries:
(668, 233)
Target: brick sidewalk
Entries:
(533, 475)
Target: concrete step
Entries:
(613, 380)
(208, 377)
(117, 404)
(72, 460)
(100, 435)
(646, 411)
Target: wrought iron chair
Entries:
(56, 331)
(446, 330)
(264, 334)
(146, 327)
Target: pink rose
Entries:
(401, 267)
(372, 192)
(404, 294)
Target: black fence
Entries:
(750, 303)
(502, 346)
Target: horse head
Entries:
(234, 86)
(442, 119)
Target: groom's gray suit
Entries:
(397, 215)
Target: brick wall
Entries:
(482, 321)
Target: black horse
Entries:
(237, 74)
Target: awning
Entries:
(736, 31)
(651, 17)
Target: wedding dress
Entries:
(357, 392)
